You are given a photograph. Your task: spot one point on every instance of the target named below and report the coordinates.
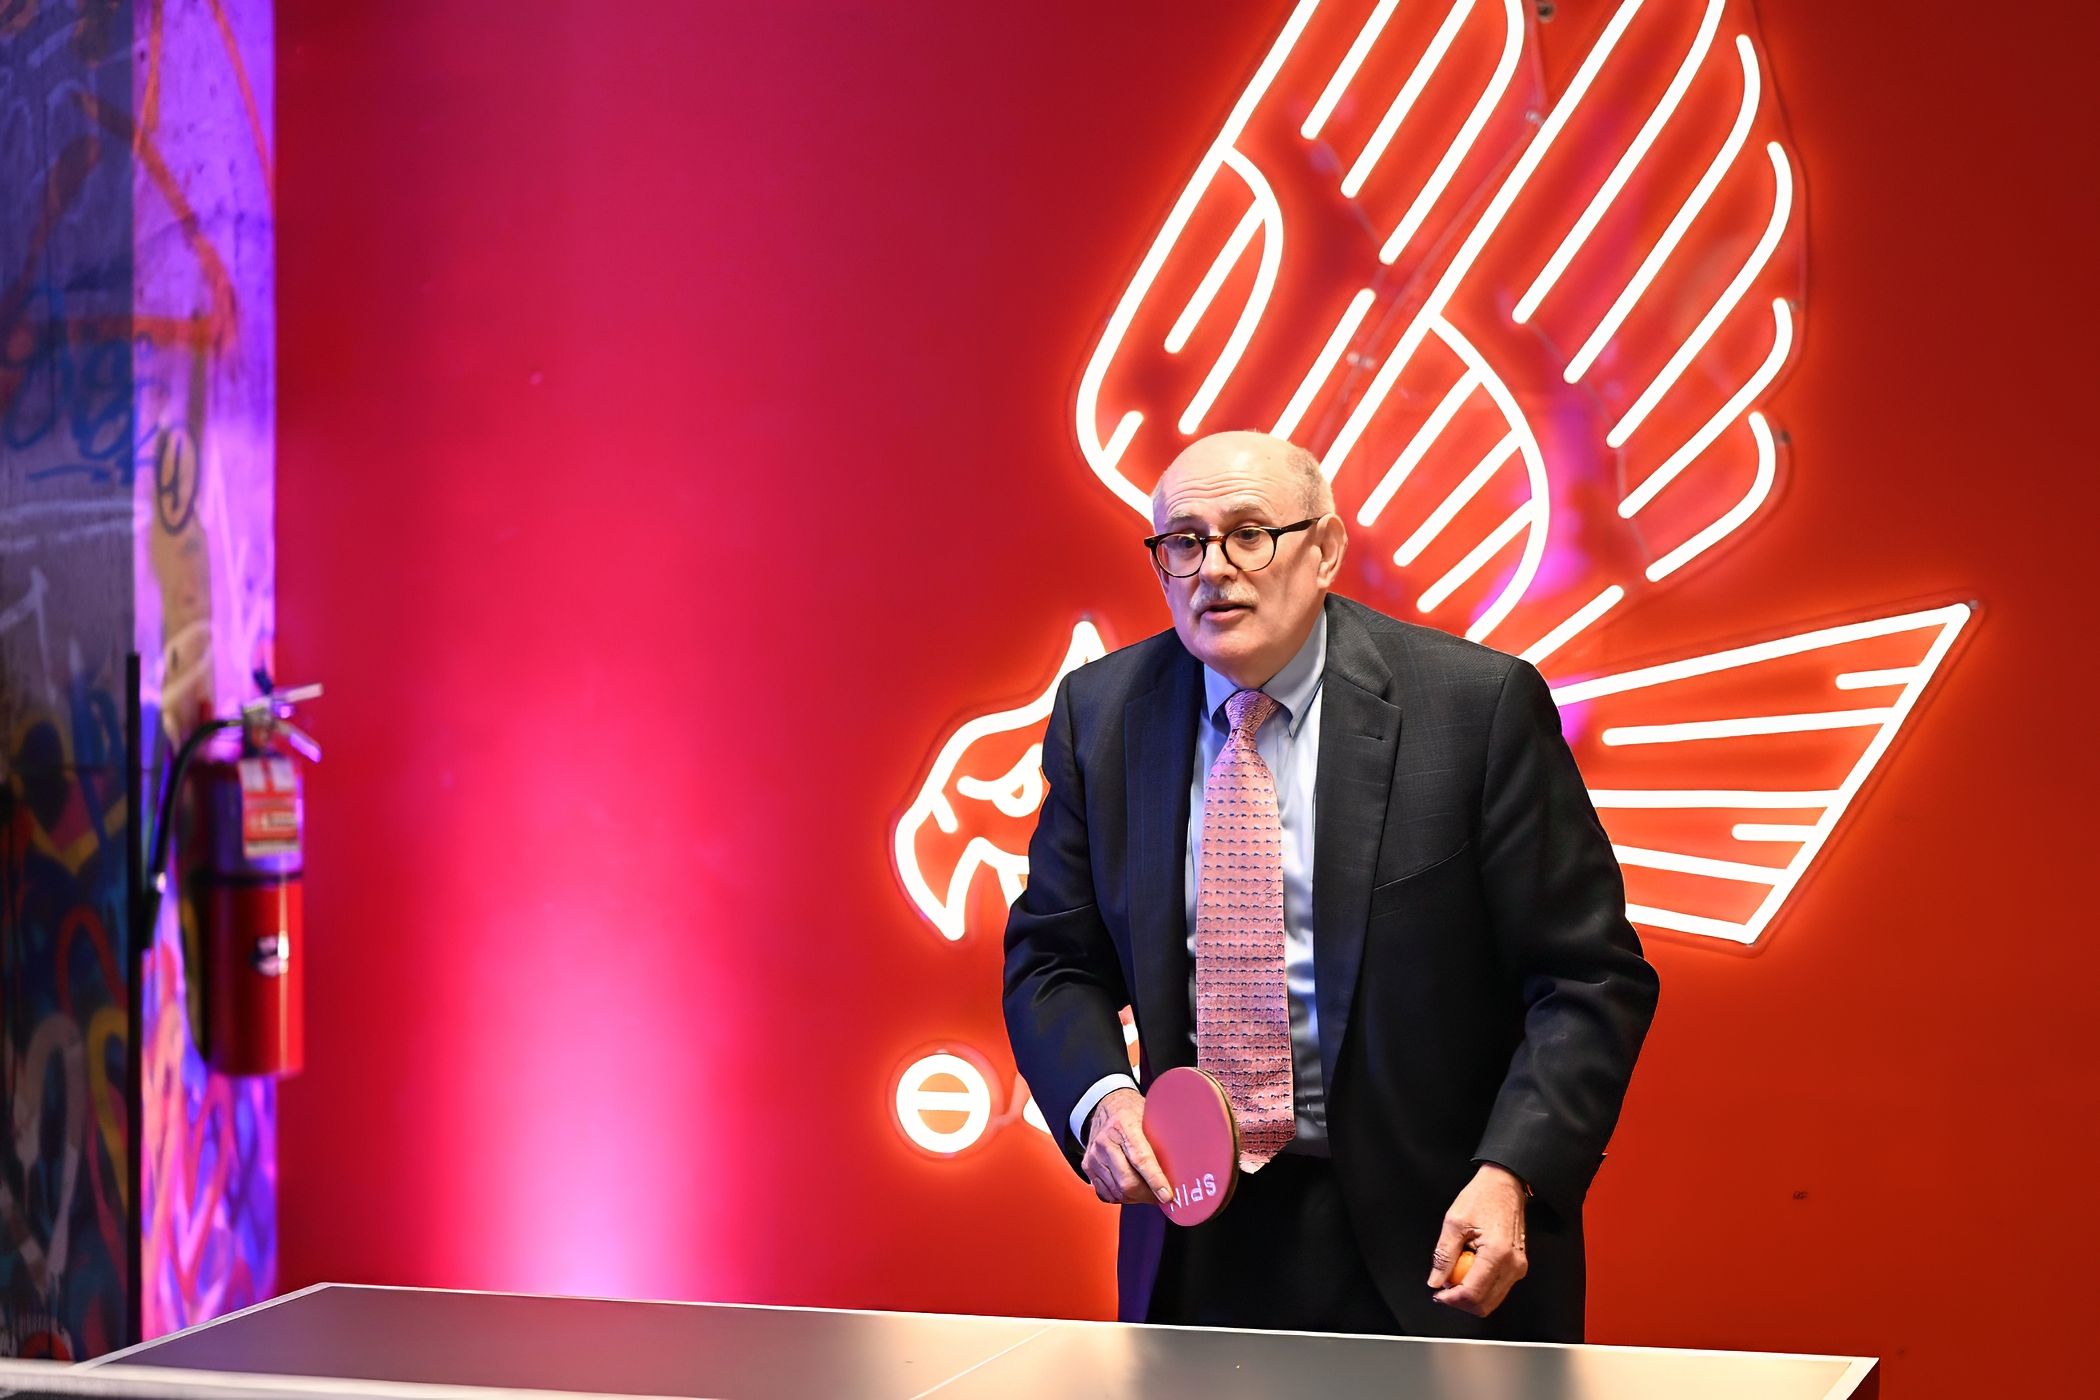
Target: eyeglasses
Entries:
(1247, 547)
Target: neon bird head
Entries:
(1528, 333)
(976, 808)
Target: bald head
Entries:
(1289, 465)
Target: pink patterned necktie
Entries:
(1243, 1012)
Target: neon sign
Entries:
(989, 770)
(1533, 340)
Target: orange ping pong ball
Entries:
(1460, 1269)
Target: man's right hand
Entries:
(1118, 1160)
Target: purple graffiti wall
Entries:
(67, 472)
(204, 293)
(137, 327)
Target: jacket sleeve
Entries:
(1064, 985)
(1557, 903)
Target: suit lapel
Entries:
(1160, 732)
(1359, 736)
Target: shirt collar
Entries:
(1293, 687)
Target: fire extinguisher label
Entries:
(269, 807)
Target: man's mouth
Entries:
(1223, 609)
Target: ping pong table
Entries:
(336, 1340)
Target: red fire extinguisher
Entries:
(243, 873)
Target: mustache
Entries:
(1204, 602)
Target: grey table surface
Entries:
(427, 1339)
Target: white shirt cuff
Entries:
(1104, 1086)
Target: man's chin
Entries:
(1221, 648)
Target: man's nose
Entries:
(1216, 567)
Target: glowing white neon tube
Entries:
(1448, 509)
(1472, 564)
(1745, 727)
(1505, 67)
(1732, 519)
(1676, 462)
(1316, 119)
(1782, 209)
(1374, 149)
(1264, 286)
(946, 909)
(1945, 618)
(1104, 457)
(1692, 923)
(1008, 868)
(1686, 213)
(1608, 193)
(1323, 365)
(1770, 831)
(1698, 865)
(1111, 454)
(1941, 626)
(1574, 625)
(1948, 622)
(1535, 472)
(1682, 799)
(1207, 290)
(1431, 314)
(1360, 417)
(1418, 446)
(1016, 794)
(914, 1101)
(1869, 680)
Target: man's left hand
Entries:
(1487, 1218)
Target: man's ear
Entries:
(1333, 538)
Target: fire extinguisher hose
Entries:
(171, 785)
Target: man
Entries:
(1346, 863)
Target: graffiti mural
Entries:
(205, 286)
(66, 477)
(65, 1175)
(136, 420)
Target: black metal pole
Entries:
(141, 944)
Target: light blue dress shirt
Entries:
(1289, 742)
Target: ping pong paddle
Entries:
(1188, 1121)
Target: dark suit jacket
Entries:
(1481, 995)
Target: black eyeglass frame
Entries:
(1274, 532)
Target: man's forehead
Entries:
(1203, 486)
(1199, 509)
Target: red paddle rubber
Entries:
(1188, 1121)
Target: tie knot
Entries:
(1248, 709)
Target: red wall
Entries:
(670, 395)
